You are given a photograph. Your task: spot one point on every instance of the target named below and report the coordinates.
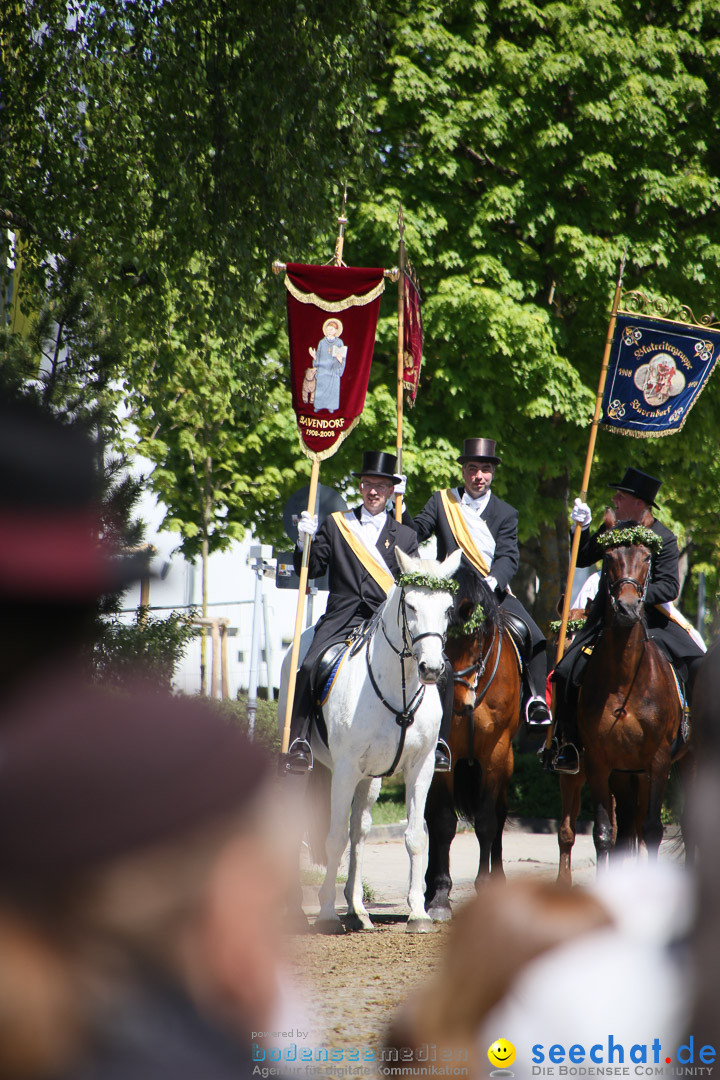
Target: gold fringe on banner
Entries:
(334, 305)
(323, 455)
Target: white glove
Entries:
(400, 487)
(307, 526)
(491, 583)
(580, 513)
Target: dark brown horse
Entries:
(485, 719)
(628, 712)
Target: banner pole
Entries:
(302, 589)
(400, 354)
(567, 599)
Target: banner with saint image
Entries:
(658, 368)
(332, 320)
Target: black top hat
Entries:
(479, 450)
(640, 484)
(378, 463)
(51, 533)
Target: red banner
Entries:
(332, 318)
(412, 339)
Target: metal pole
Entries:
(268, 646)
(256, 553)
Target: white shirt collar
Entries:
(479, 504)
(377, 521)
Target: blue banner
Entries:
(656, 373)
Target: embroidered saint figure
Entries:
(329, 364)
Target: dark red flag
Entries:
(332, 318)
(412, 338)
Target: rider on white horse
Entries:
(357, 548)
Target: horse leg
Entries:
(570, 792)
(652, 829)
(344, 782)
(486, 826)
(598, 778)
(625, 789)
(417, 783)
(442, 825)
(366, 793)
(501, 809)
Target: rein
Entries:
(405, 717)
(479, 668)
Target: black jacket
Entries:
(354, 593)
(500, 518)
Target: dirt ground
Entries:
(355, 981)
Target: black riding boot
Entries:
(299, 758)
(565, 755)
(535, 707)
(443, 760)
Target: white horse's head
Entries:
(424, 608)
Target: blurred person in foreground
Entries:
(56, 557)
(142, 884)
(534, 965)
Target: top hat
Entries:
(51, 531)
(640, 484)
(378, 463)
(479, 450)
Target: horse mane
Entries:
(473, 591)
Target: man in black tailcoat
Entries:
(473, 518)
(357, 549)
(634, 500)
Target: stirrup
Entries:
(299, 758)
(537, 713)
(443, 758)
(567, 760)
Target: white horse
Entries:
(391, 678)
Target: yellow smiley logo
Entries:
(502, 1052)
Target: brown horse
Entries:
(628, 712)
(486, 715)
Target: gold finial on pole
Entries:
(340, 242)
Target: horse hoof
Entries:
(419, 926)
(357, 922)
(440, 914)
(328, 926)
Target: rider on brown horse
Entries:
(633, 501)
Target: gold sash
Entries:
(460, 531)
(383, 577)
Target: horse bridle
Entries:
(479, 669)
(640, 588)
(405, 718)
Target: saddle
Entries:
(520, 633)
(322, 677)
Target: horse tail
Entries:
(467, 787)
(318, 805)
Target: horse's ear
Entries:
(609, 518)
(647, 518)
(450, 565)
(560, 604)
(404, 561)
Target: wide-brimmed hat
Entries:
(640, 484)
(378, 463)
(52, 543)
(479, 450)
